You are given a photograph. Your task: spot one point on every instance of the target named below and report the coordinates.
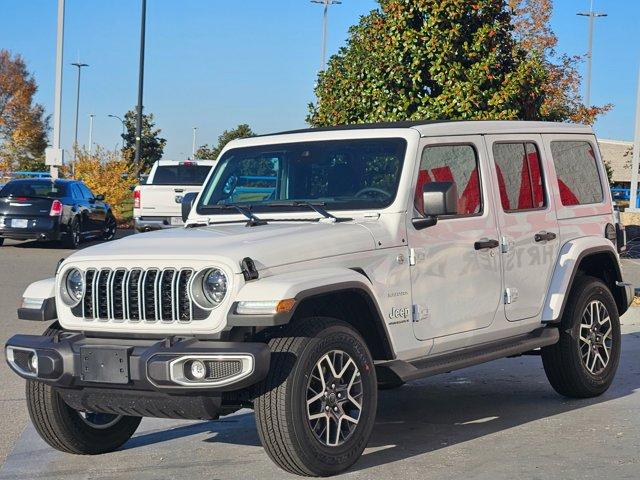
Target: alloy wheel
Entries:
(334, 398)
(99, 420)
(596, 338)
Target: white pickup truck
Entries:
(157, 203)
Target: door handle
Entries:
(483, 244)
(544, 236)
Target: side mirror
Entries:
(187, 204)
(439, 198)
(100, 198)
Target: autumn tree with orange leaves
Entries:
(562, 99)
(23, 123)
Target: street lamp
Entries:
(326, 4)
(143, 20)
(122, 122)
(592, 16)
(75, 138)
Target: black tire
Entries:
(1, 241)
(110, 227)
(564, 363)
(64, 428)
(72, 238)
(281, 406)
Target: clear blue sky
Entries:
(214, 64)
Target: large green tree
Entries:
(430, 59)
(151, 143)
(23, 123)
(205, 152)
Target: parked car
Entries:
(66, 210)
(382, 254)
(157, 202)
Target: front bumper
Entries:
(75, 361)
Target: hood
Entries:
(268, 245)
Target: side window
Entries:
(85, 191)
(452, 163)
(578, 177)
(519, 176)
(77, 194)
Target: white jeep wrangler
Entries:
(318, 266)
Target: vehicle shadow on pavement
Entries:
(442, 411)
(35, 244)
(439, 412)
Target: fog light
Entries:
(198, 370)
(33, 362)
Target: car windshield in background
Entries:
(340, 174)
(180, 175)
(34, 188)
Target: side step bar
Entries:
(426, 367)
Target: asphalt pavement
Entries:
(500, 420)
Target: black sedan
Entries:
(64, 210)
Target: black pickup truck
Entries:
(64, 210)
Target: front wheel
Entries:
(72, 431)
(584, 361)
(316, 408)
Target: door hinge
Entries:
(416, 255)
(510, 295)
(504, 244)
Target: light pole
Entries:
(140, 82)
(75, 137)
(635, 163)
(54, 156)
(325, 4)
(193, 146)
(91, 115)
(122, 122)
(592, 16)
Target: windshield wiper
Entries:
(316, 207)
(253, 220)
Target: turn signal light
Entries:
(136, 199)
(285, 305)
(56, 209)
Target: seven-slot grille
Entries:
(137, 294)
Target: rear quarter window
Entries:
(577, 171)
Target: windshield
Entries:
(34, 188)
(188, 174)
(339, 174)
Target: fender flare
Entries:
(304, 285)
(567, 266)
(39, 301)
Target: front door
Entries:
(455, 264)
(527, 222)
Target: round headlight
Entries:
(73, 287)
(214, 285)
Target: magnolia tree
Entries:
(446, 59)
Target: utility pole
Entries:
(75, 137)
(91, 115)
(325, 21)
(122, 122)
(635, 163)
(193, 147)
(140, 83)
(54, 156)
(592, 16)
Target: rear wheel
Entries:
(72, 431)
(72, 238)
(584, 361)
(110, 227)
(317, 406)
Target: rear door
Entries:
(526, 220)
(96, 211)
